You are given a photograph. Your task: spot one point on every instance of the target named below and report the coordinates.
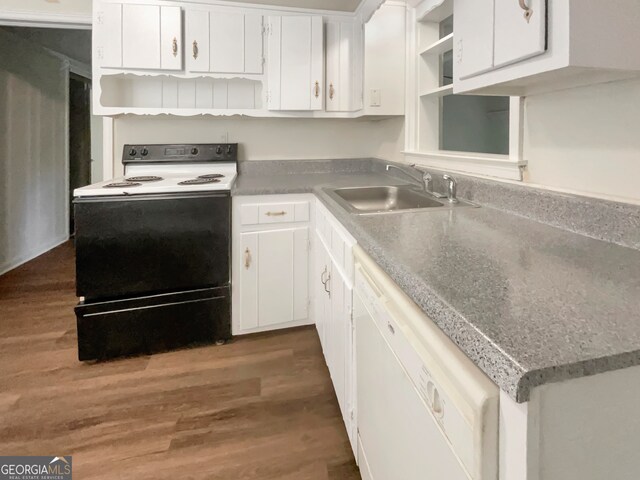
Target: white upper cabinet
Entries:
(224, 41)
(107, 35)
(385, 61)
(519, 34)
(253, 44)
(343, 87)
(226, 32)
(296, 61)
(524, 47)
(151, 37)
(197, 40)
(224, 58)
(171, 38)
(474, 45)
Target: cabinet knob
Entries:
(528, 12)
(332, 91)
(247, 258)
(316, 89)
(174, 47)
(195, 49)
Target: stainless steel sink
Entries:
(386, 199)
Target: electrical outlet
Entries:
(375, 98)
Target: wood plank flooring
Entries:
(261, 407)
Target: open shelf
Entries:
(441, 46)
(438, 92)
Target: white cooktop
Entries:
(171, 175)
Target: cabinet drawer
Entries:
(267, 213)
(260, 214)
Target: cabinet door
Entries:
(350, 417)
(320, 295)
(341, 66)
(337, 366)
(274, 279)
(296, 59)
(197, 40)
(473, 36)
(516, 36)
(227, 42)
(333, 90)
(170, 38)
(253, 44)
(107, 35)
(140, 36)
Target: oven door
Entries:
(149, 244)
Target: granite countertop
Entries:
(528, 303)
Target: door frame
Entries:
(17, 18)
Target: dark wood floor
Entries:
(259, 408)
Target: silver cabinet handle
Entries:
(391, 329)
(324, 282)
(195, 49)
(327, 285)
(332, 91)
(276, 214)
(174, 47)
(247, 258)
(528, 12)
(316, 89)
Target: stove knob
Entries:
(229, 150)
(132, 152)
(194, 151)
(144, 152)
(219, 150)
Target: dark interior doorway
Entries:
(79, 137)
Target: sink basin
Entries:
(383, 199)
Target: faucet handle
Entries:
(451, 188)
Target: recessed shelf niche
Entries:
(168, 92)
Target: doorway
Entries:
(79, 138)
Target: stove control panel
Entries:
(175, 153)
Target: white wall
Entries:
(33, 123)
(586, 140)
(266, 138)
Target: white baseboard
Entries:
(31, 254)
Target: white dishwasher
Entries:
(425, 411)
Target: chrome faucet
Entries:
(425, 178)
(452, 187)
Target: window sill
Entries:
(499, 166)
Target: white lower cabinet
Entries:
(270, 274)
(332, 286)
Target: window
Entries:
(470, 123)
(462, 128)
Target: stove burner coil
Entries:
(122, 185)
(144, 178)
(211, 175)
(199, 181)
